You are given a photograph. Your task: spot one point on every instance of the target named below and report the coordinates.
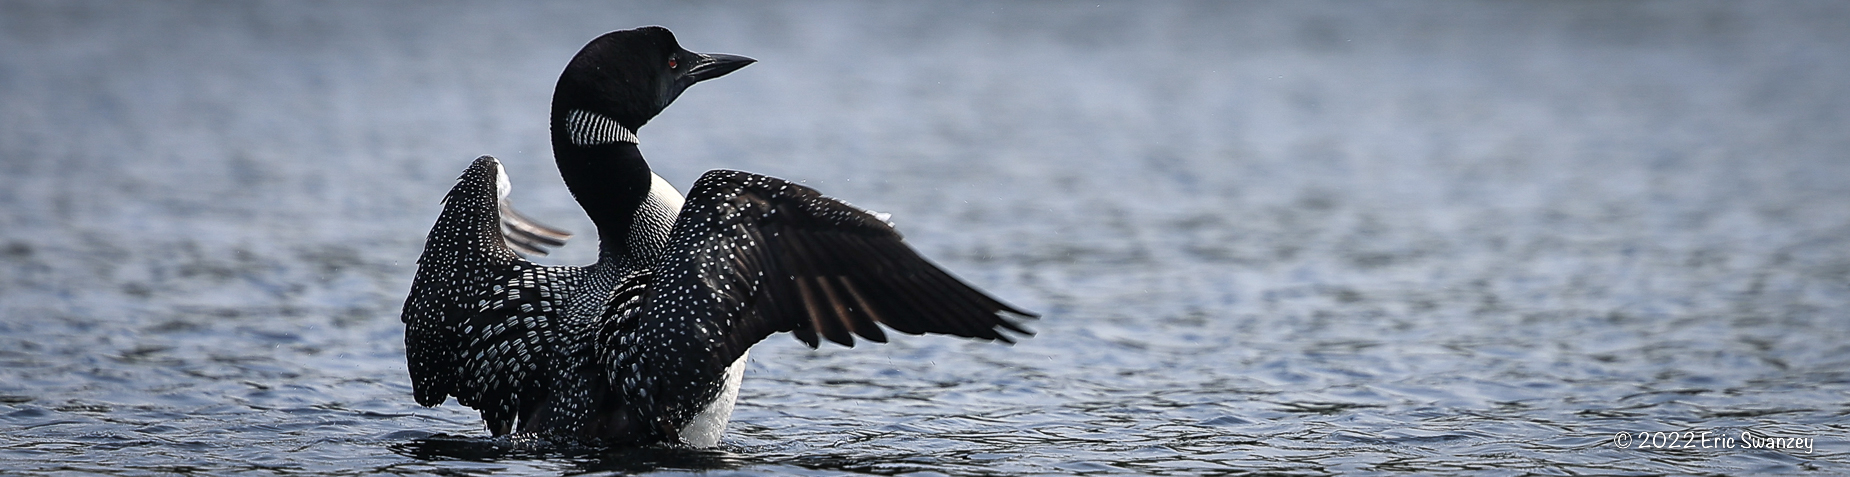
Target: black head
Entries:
(631, 75)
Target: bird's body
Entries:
(649, 344)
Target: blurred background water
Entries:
(1294, 238)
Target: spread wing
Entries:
(478, 320)
(767, 255)
(752, 255)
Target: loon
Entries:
(648, 345)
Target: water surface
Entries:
(1292, 238)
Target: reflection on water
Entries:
(1293, 238)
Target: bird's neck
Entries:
(610, 181)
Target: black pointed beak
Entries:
(714, 65)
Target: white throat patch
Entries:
(589, 129)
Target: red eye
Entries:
(672, 63)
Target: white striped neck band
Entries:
(590, 129)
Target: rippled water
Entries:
(1290, 238)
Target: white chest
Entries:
(705, 429)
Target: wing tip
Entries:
(518, 232)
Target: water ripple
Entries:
(1278, 239)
